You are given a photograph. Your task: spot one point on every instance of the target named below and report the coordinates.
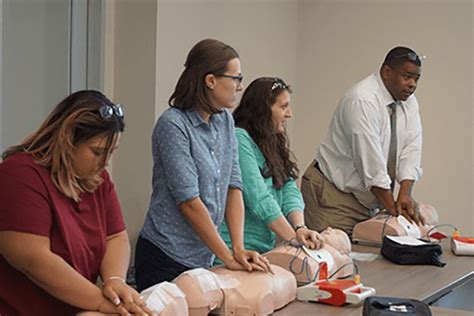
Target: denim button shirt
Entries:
(191, 158)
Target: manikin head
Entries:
(337, 239)
(166, 299)
(429, 214)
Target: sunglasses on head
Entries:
(411, 56)
(106, 111)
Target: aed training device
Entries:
(334, 292)
(462, 246)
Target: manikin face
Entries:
(281, 111)
(224, 90)
(89, 157)
(337, 239)
(401, 81)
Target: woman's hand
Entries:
(107, 308)
(124, 297)
(309, 238)
(248, 260)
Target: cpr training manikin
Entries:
(220, 291)
(372, 230)
(305, 263)
(226, 292)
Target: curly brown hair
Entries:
(254, 114)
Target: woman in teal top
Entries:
(273, 203)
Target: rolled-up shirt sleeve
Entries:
(257, 196)
(409, 163)
(292, 198)
(172, 147)
(367, 152)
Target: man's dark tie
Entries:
(392, 152)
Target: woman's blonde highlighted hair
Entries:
(74, 121)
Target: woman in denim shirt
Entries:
(196, 174)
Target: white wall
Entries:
(262, 31)
(321, 47)
(134, 81)
(341, 42)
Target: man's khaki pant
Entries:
(326, 205)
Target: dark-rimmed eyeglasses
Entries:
(411, 56)
(278, 84)
(106, 111)
(237, 79)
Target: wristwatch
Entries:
(299, 226)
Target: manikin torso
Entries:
(225, 292)
(304, 263)
(371, 230)
(259, 293)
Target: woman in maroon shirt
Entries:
(60, 220)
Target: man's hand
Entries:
(406, 206)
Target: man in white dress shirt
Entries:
(360, 159)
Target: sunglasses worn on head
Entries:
(411, 56)
(106, 111)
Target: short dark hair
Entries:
(399, 55)
(254, 114)
(208, 56)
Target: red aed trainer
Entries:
(334, 292)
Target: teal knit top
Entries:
(263, 203)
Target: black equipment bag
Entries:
(392, 306)
(428, 253)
